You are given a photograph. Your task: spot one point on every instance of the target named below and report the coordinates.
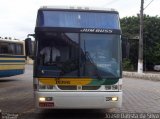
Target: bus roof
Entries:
(78, 8)
(8, 39)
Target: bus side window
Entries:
(12, 49)
(4, 49)
(19, 49)
(0, 48)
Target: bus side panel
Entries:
(11, 65)
(6, 73)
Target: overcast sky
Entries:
(18, 17)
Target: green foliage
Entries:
(152, 39)
(130, 28)
(127, 65)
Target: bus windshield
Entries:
(79, 55)
(77, 19)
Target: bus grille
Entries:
(76, 87)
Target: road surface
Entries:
(16, 97)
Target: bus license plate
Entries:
(46, 104)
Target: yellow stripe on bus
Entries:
(11, 67)
(12, 58)
(15, 63)
(65, 81)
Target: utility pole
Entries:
(140, 54)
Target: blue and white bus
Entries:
(12, 57)
(86, 70)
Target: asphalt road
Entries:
(16, 99)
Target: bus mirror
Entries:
(29, 48)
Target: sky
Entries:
(18, 17)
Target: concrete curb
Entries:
(146, 76)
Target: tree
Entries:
(130, 29)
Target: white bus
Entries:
(77, 58)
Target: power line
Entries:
(148, 4)
(111, 2)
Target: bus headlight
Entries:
(42, 86)
(114, 98)
(46, 87)
(49, 86)
(42, 99)
(108, 87)
(114, 87)
(111, 98)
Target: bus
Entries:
(77, 58)
(12, 57)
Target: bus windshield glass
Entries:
(79, 55)
(78, 19)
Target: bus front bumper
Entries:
(78, 100)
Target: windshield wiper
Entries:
(88, 57)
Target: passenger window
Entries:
(19, 49)
(12, 48)
(4, 48)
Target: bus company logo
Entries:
(97, 30)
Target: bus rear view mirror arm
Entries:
(29, 46)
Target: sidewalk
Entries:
(155, 76)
